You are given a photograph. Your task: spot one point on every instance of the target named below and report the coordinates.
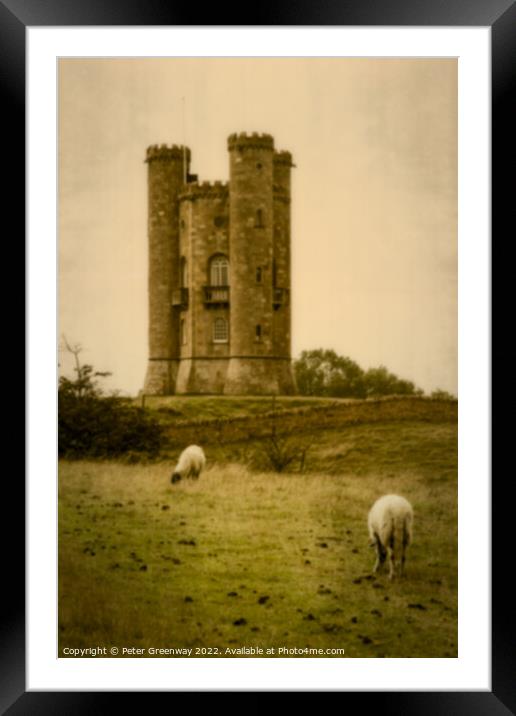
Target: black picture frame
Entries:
(500, 16)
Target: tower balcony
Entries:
(216, 295)
(280, 297)
(180, 297)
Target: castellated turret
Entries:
(219, 273)
(167, 168)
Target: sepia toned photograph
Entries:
(258, 384)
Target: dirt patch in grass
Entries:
(236, 559)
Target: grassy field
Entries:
(251, 558)
(205, 407)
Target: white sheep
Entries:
(190, 464)
(390, 529)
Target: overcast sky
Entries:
(374, 199)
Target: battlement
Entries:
(255, 140)
(204, 190)
(167, 152)
(283, 158)
(206, 336)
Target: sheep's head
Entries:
(175, 477)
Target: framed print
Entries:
(178, 571)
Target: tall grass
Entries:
(241, 557)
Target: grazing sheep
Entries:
(390, 530)
(190, 464)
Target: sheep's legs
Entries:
(380, 554)
(406, 538)
(377, 563)
(391, 563)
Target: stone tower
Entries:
(167, 168)
(219, 273)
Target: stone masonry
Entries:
(219, 273)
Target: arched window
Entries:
(184, 273)
(219, 271)
(259, 219)
(220, 330)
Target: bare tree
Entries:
(283, 450)
(75, 350)
(84, 383)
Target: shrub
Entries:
(442, 395)
(380, 382)
(322, 372)
(278, 452)
(93, 425)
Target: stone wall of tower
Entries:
(166, 172)
(251, 243)
(251, 221)
(189, 224)
(282, 163)
(281, 253)
(204, 234)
